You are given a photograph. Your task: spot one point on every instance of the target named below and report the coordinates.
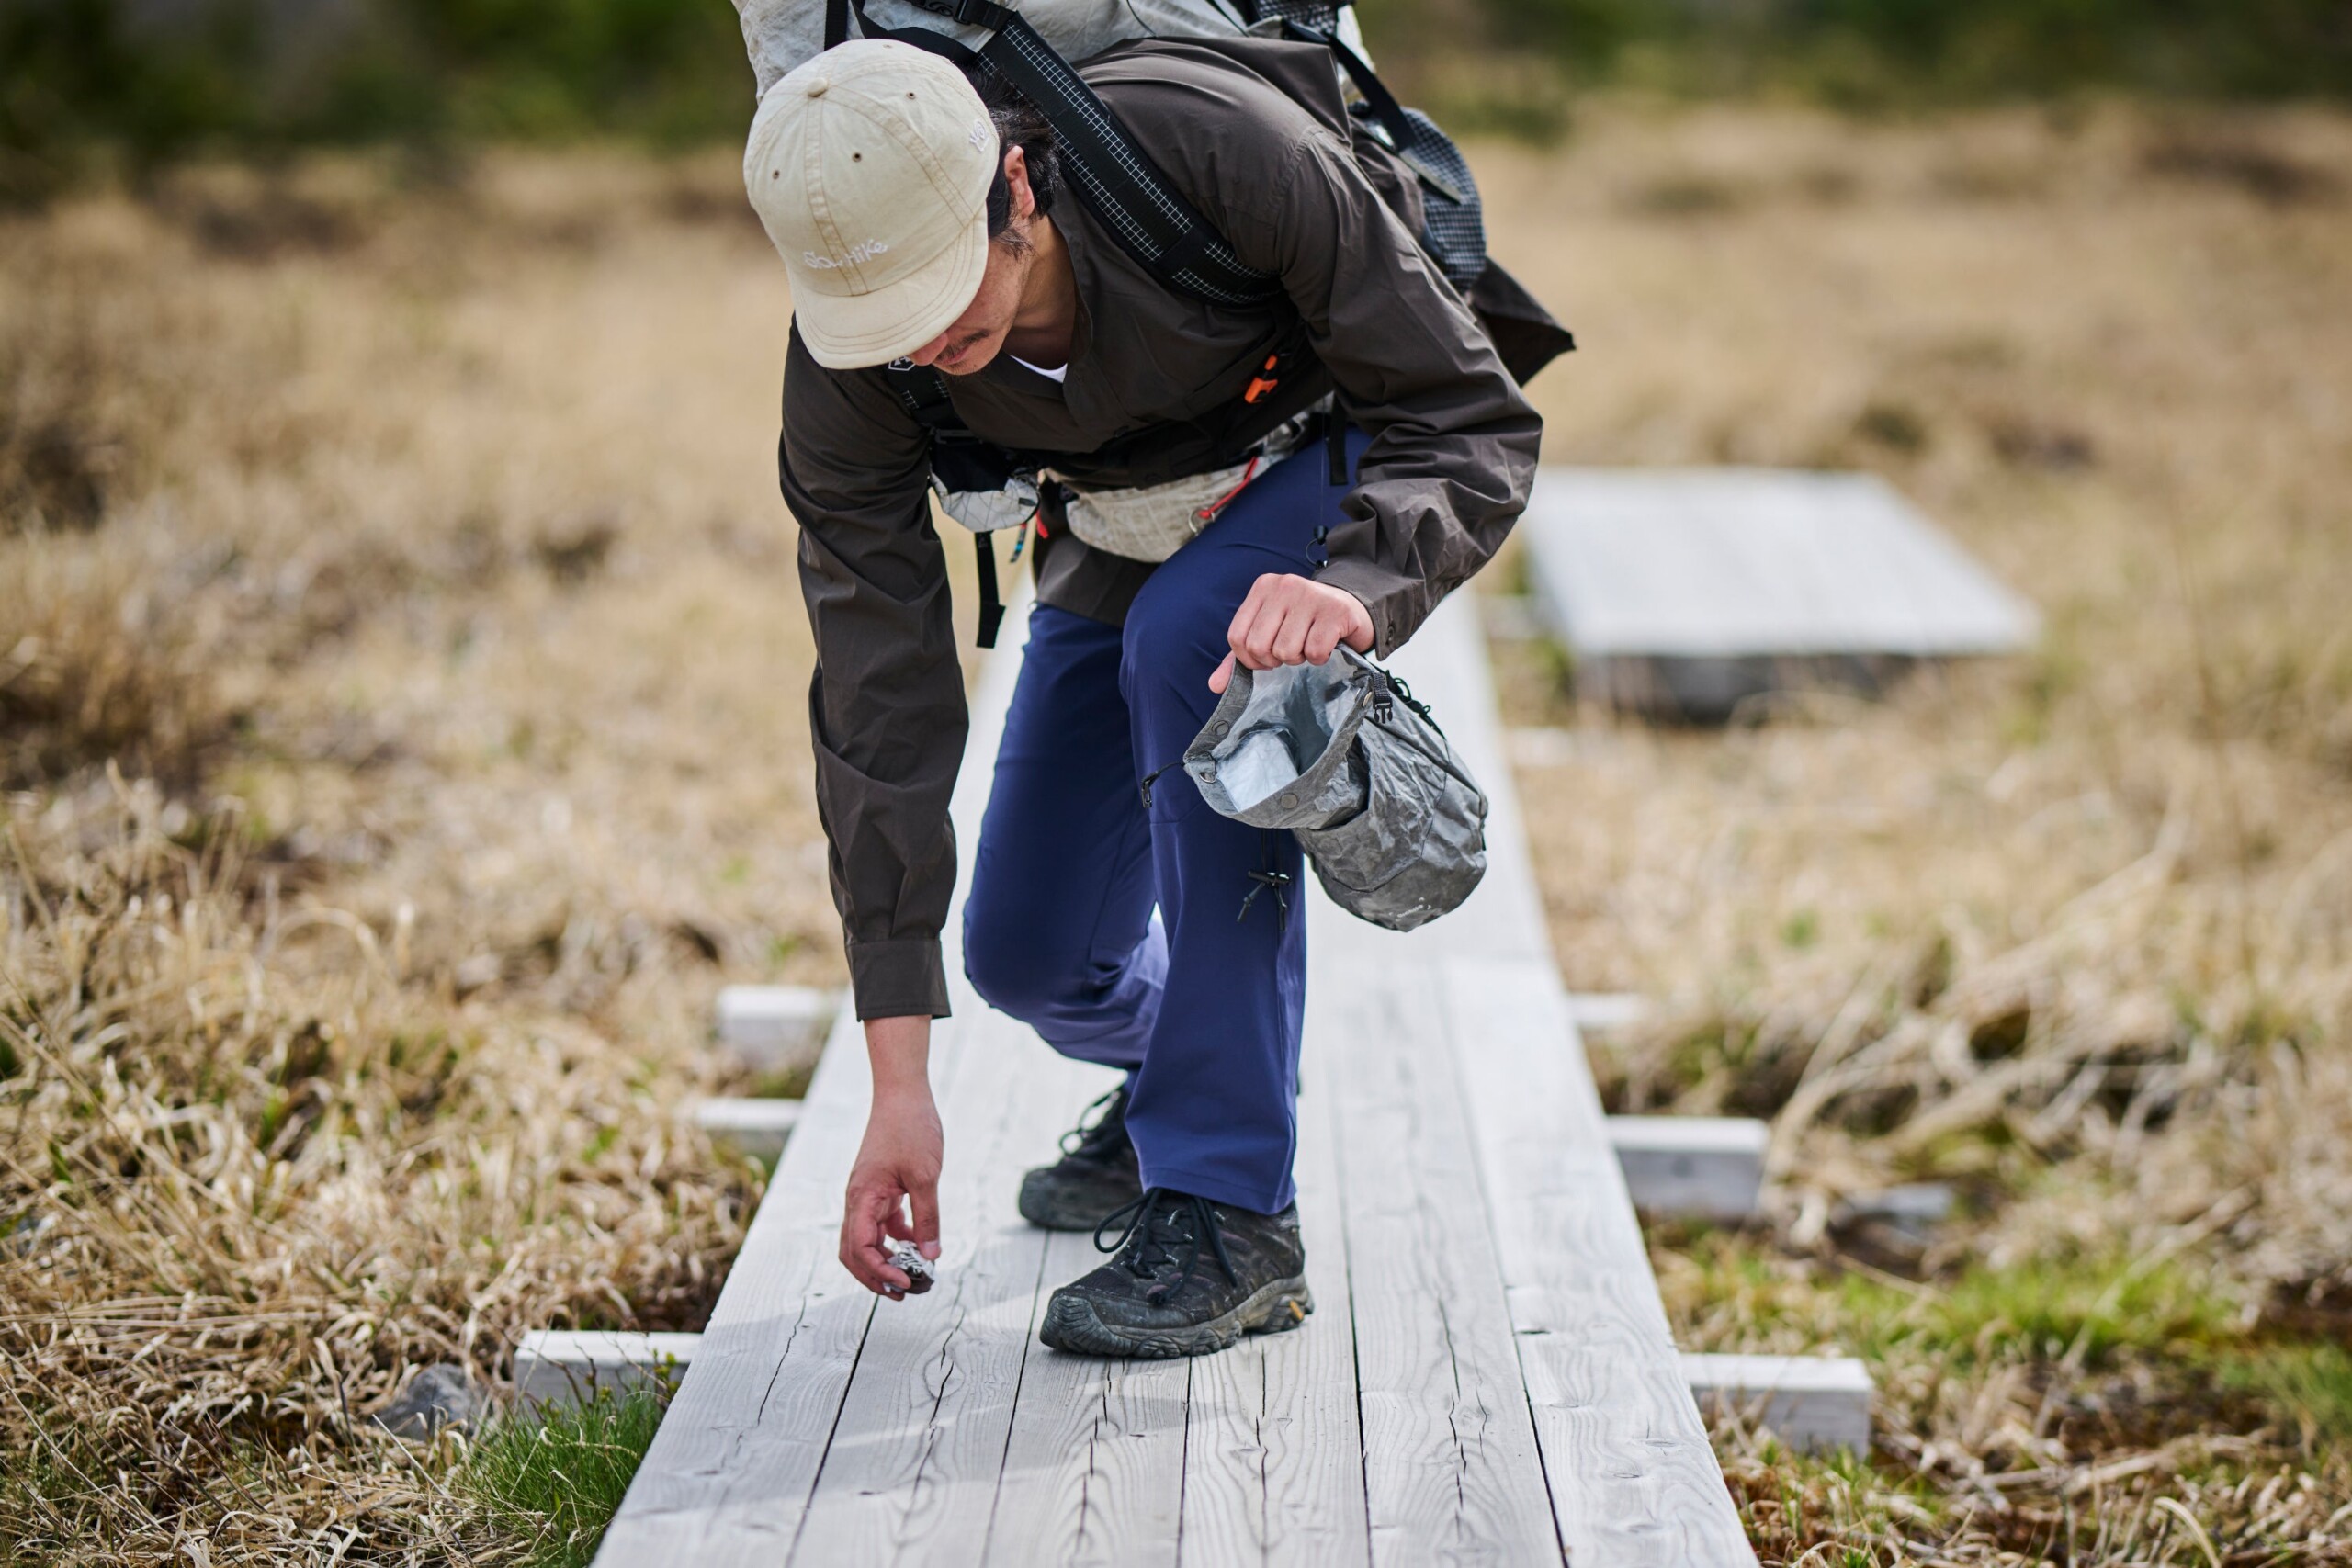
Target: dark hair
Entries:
(1019, 124)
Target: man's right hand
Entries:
(894, 1186)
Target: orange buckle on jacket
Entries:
(1264, 382)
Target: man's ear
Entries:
(1016, 183)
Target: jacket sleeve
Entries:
(1454, 438)
(885, 706)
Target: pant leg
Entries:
(1058, 926)
(1214, 1107)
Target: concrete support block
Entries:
(775, 1027)
(1598, 1012)
(1702, 1166)
(563, 1367)
(758, 1127)
(1812, 1403)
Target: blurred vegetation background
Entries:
(130, 84)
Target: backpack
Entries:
(1413, 165)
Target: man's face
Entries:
(978, 335)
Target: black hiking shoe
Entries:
(1096, 1175)
(1188, 1278)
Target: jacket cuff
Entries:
(898, 979)
(1387, 594)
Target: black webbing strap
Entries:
(992, 602)
(1384, 105)
(1117, 179)
(922, 392)
(1403, 134)
(836, 23)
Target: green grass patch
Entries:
(552, 1486)
(2100, 1308)
(2309, 1384)
(2097, 1309)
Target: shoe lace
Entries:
(1100, 1135)
(1156, 1233)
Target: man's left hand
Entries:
(1292, 620)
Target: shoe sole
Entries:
(1050, 1210)
(1277, 1308)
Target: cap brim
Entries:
(852, 332)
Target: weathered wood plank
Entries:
(1451, 1467)
(912, 1473)
(729, 1477)
(1633, 1475)
(1094, 1466)
(1599, 1012)
(1731, 562)
(1274, 1447)
(726, 1481)
(1633, 1479)
(1410, 1439)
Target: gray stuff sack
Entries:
(1343, 755)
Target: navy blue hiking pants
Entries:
(1119, 933)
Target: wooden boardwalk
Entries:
(1720, 563)
(1687, 592)
(1487, 1377)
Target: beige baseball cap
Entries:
(869, 167)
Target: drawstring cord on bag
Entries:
(1393, 686)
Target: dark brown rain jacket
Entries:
(1453, 451)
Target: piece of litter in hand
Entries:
(903, 1255)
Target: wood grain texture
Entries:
(1451, 1466)
(726, 1481)
(1488, 1374)
(1094, 1466)
(911, 1473)
(729, 1475)
(1274, 1447)
(1632, 1478)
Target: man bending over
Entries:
(921, 224)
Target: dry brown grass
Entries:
(422, 548)
(2074, 899)
(416, 535)
(2072, 932)
(252, 1180)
